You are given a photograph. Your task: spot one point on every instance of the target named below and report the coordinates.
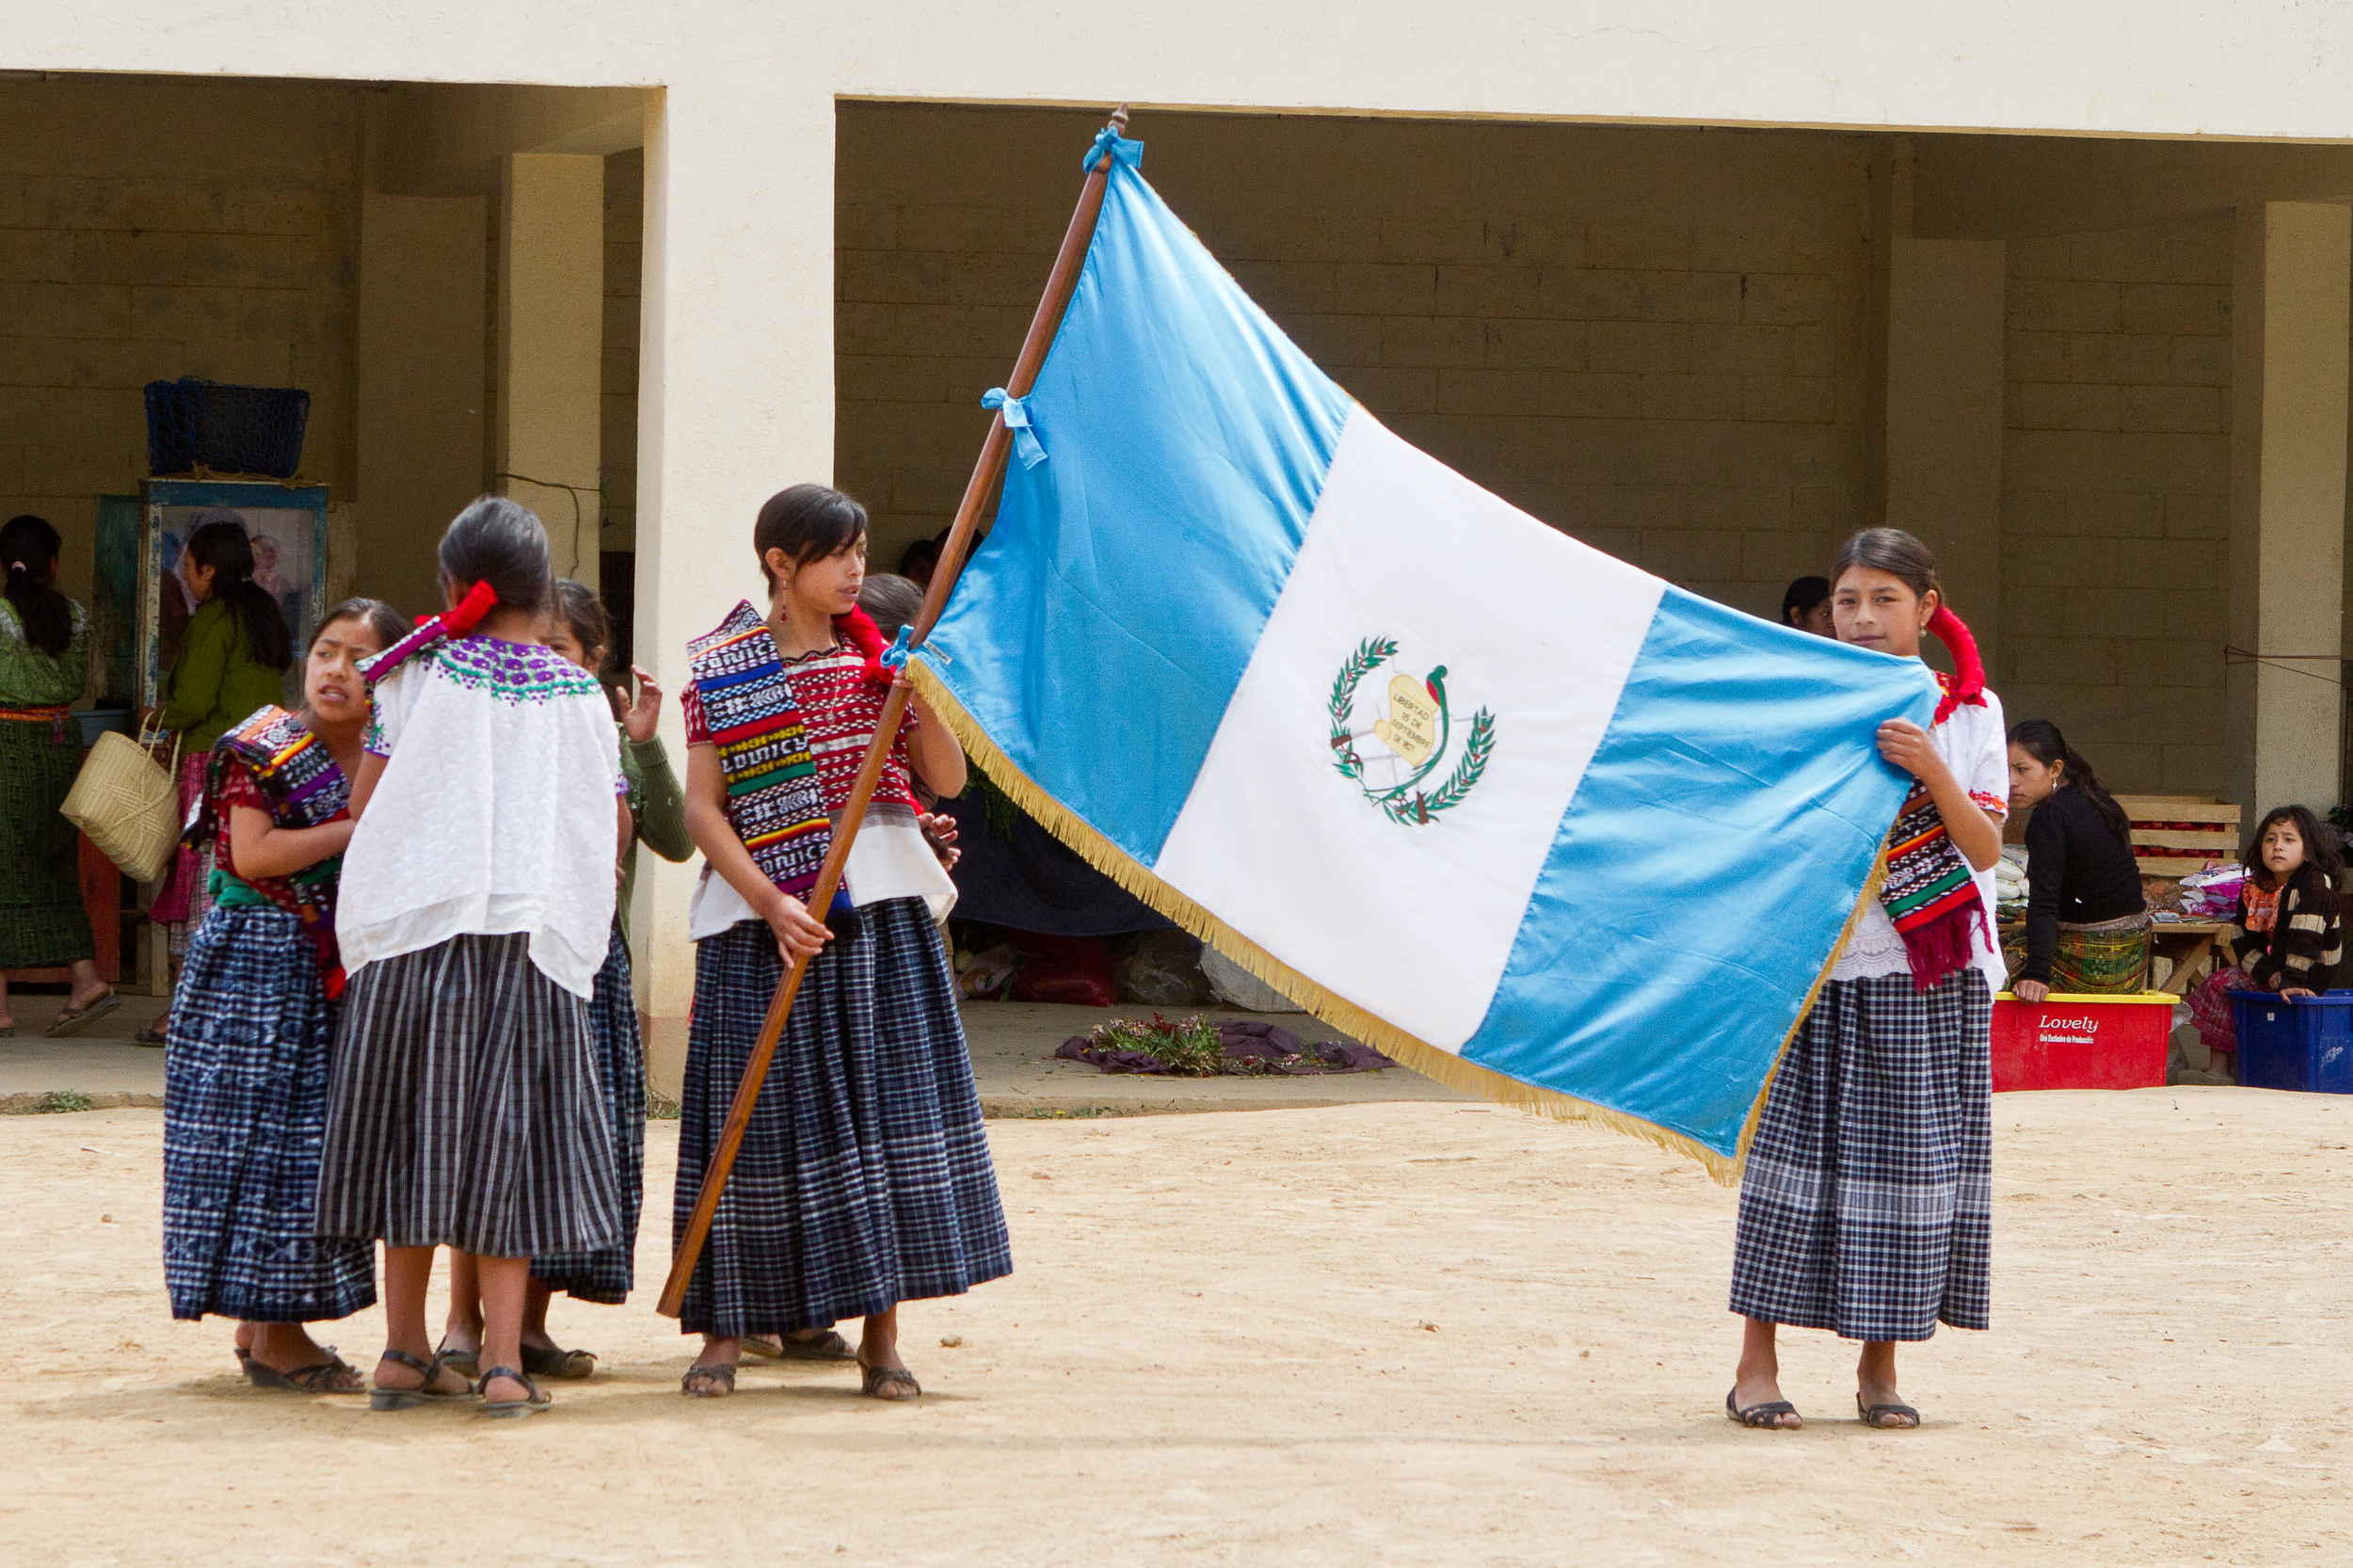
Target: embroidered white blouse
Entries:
(1974, 744)
(494, 814)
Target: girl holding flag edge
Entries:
(863, 1178)
(1865, 1205)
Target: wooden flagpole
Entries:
(1060, 284)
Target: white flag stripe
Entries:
(1527, 623)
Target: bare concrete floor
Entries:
(1012, 1045)
(1408, 1333)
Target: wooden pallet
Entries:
(2176, 835)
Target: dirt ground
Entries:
(1387, 1334)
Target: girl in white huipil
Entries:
(476, 903)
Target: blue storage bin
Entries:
(2302, 1043)
(98, 721)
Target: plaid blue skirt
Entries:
(605, 1275)
(1867, 1202)
(864, 1178)
(245, 1113)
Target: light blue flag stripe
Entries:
(1701, 871)
(1130, 573)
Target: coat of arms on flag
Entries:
(1416, 733)
(1237, 643)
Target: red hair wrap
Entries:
(864, 635)
(1967, 682)
(468, 612)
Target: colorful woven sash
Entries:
(1930, 893)
(773, 802)
(298, 775)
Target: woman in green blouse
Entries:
(234, 654)
(232, 663)
(44, 664)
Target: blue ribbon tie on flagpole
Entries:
(894, 658)
(1016, 413)
(1124, 150)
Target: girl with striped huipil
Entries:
(245, 1067)
(477, 911)
(864, 1178)
(1866, 1200)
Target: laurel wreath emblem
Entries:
(1406, 803)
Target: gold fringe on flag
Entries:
(1426, 1059)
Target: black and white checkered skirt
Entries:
(605, 1275)
(463, 1107)
(864, 1178)
(245, 1113)
(1867, 1202)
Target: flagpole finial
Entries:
(1119, 119)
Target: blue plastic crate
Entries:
(226, 430)
(2302, 1043)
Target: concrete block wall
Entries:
(2115, 498)
(153, 228)
(1652, 340)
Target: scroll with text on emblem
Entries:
(1534, 822)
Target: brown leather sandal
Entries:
(381, 1398)
(876, 1378)
(723, 1375)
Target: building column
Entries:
(2289, 365)
(420, 373)
(1945, 418)
(736, 402)
(550, 348)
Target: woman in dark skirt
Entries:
(44, 665)
(476, 910)
(864, 1178)
(245, 1065)
(1866, 1195)
(579, 630)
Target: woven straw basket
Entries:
(129, 805)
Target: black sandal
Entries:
(381, 1398)
(535, 1400)
(1909, 1418)
(875, 1379)
(465, 1362)
(723, 1375)
(825, 1345)
(1765, 1418)
(319, 1378)
(551, 1362)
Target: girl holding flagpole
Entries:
(864, 1176)
(1866, 1204)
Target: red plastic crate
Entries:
(2078, 1042)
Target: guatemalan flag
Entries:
(1536, 823)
